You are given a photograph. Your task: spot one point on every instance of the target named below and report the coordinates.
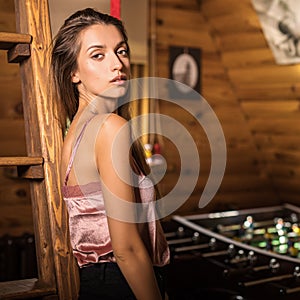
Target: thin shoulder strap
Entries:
(74, 150)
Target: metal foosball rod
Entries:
(235, 227)
(265, 280)
(210, 244)
(190, 248)
(215, 253)
(269, 279)
(195, 239)
(180, 232)
(240, 263)
(273, 266)
(240, 257)
(287, 290)
(230, 251)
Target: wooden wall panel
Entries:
(264, 73)
(191, 4)
(268, 93)
(213, 8)
(241, 41)
(235, 21)
(10, 89)
(279, 142)
(268, 90)
(234, 56)
(246, 58)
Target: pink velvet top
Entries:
(88, 225)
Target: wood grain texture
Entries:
(9, 39)
(20, 161)
(13, 191)
(234, 58)
(21, 289)
(268, 93)
(55, 260)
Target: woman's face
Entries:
(103, 64)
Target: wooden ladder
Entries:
(57, 271)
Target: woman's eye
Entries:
(123, 52)
(97, 56)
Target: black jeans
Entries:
(106, 281)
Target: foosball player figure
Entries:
(268, 238)
(248, 227)
(292, 250)
(279, 223)
(280, 227)
(296, 229)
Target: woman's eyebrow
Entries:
(121, 43)
(96, 46)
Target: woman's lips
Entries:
(119, 80)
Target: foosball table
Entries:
(242, 254)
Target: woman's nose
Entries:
(116, 63)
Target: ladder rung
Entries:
(20, 161)
(9, 39)
(24, 288)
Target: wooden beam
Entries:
(18, 53)
(44, 138)
(26, 288)
(31, 172)
(27, 167)
(20, 161)
(8, 39)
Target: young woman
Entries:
(118, 258)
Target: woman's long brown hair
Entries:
(64, 52)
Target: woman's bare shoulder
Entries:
(112, 124)
(114, 120)
(113, 127)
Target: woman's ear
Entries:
(75, 77)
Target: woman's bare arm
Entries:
(129, 250)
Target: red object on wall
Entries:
(115, 8)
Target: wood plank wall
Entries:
(257, 101)
(16, 211)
